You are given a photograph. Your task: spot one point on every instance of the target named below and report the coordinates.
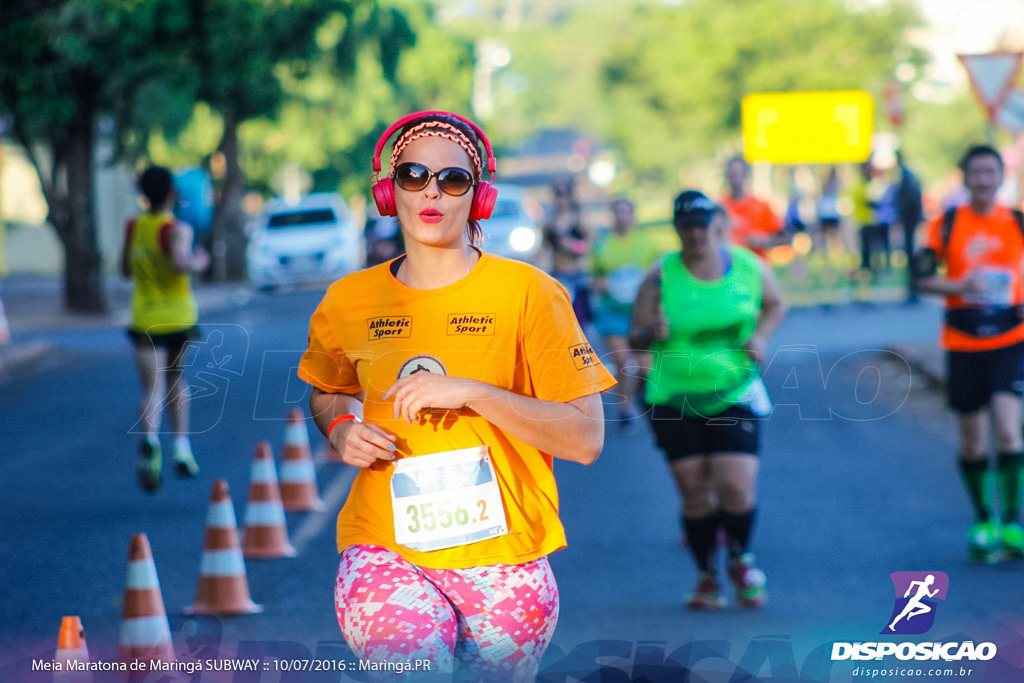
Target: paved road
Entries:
(857, 482)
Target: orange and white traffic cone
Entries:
(71, 648)
(222, 587)
(298, 474)
(145, 631)
(265, 535)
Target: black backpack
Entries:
(949, 218)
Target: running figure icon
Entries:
(914, 606)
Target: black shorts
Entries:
(734, 430)
(973, 376)
(174, 342)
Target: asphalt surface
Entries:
(857, 482)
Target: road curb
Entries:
(928, 362)
(30, 312)
(16, 357)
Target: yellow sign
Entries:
(808, 127)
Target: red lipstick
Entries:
(431, 215)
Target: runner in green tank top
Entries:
(707, 313)
(704, 366)
(159, 257)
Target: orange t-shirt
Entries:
(750, 217)
(505, 323)
(993, 246)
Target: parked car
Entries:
(514, 228)
(295, 242)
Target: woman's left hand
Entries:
(430, 391)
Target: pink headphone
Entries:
(484, 194)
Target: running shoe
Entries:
(149, 465)
(983, 542)
(1013, 541)
(749, 581)
(185, 464)
(707, 595)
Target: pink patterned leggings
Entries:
(493, 622)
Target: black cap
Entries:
(693, 208)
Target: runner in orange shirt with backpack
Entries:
(981, 246)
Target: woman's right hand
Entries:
(360, 444)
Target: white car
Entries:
(514, 228)
(309, 240)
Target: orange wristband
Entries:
(338, 420)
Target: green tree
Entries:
(932, 146)
(62, 66)
(331, 120)
(246, 51)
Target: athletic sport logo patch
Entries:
(475, 324)
(582, 356)
(389, 327)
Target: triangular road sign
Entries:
(992, 76)
(1010, 116)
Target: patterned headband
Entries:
(438, 129)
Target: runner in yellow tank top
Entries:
(158, 256)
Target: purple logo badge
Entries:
(916, 596)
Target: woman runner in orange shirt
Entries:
(451, 377)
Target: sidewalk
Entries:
(926, 359)
(34, 306)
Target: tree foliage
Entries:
(933, 143)
(145, 65)
(662, 82)
(686, 91)
(62, 65)
(372, 65)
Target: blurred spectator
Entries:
(754, 225)
(829, 220)
(568, 240)
(793, 223)
(875, 211)
(910, 213)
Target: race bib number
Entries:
(998, 288)
(624, 283)
(448, 499)
(755, 398)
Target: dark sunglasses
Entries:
(453, 181)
